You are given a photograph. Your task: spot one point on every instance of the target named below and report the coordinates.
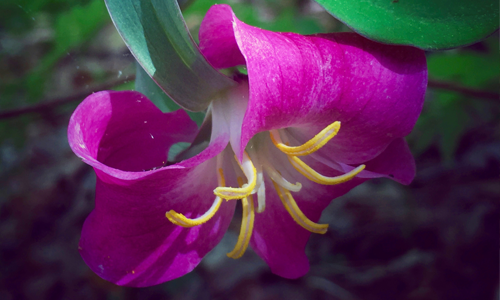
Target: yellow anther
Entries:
(246, 226)
(309, 147)
(312, 175)
(250, 172)
(295, 212)
(181, 220)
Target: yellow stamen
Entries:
(250, 172)
(312, 175)
(246, 226)
(309, 147)
(181, 220)
(295, 212)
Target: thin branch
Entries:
(463, 90)
(51, 104)
(46, 105)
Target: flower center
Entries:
(253, 166)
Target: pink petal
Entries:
(228, 113)
(117, 127)
(375, 90)
(220, 49)
(396, 162)
(127, 239)
(277, 238)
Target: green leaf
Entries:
(469, 69)
(427, 24)
(156, 34)
(146, 85)
(452, 124)
(444, 120)
(177, 148)
(284, 17)
(72, 28)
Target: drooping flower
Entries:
(316, 116)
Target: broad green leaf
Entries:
(469, 69)
(427, 24)
(156, 34)
(285, 17)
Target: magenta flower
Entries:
(316, 116)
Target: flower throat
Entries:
(253, 166)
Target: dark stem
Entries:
(443, 85)
(46, 105)
(51, 104)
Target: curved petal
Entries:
(117, 127)
(276, 237)
(127, 239)
(396, 162)
(375, 90)
(217, 42)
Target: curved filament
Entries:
(295, 212)
(246, 229)
(181, 220)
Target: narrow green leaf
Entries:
(146, 85)
(427, 24)
(156, 34)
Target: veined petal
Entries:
(375, 90)
(395, 162)
(127, 239)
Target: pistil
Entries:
(280, 180)
(260, 186)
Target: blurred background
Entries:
(435, 239)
